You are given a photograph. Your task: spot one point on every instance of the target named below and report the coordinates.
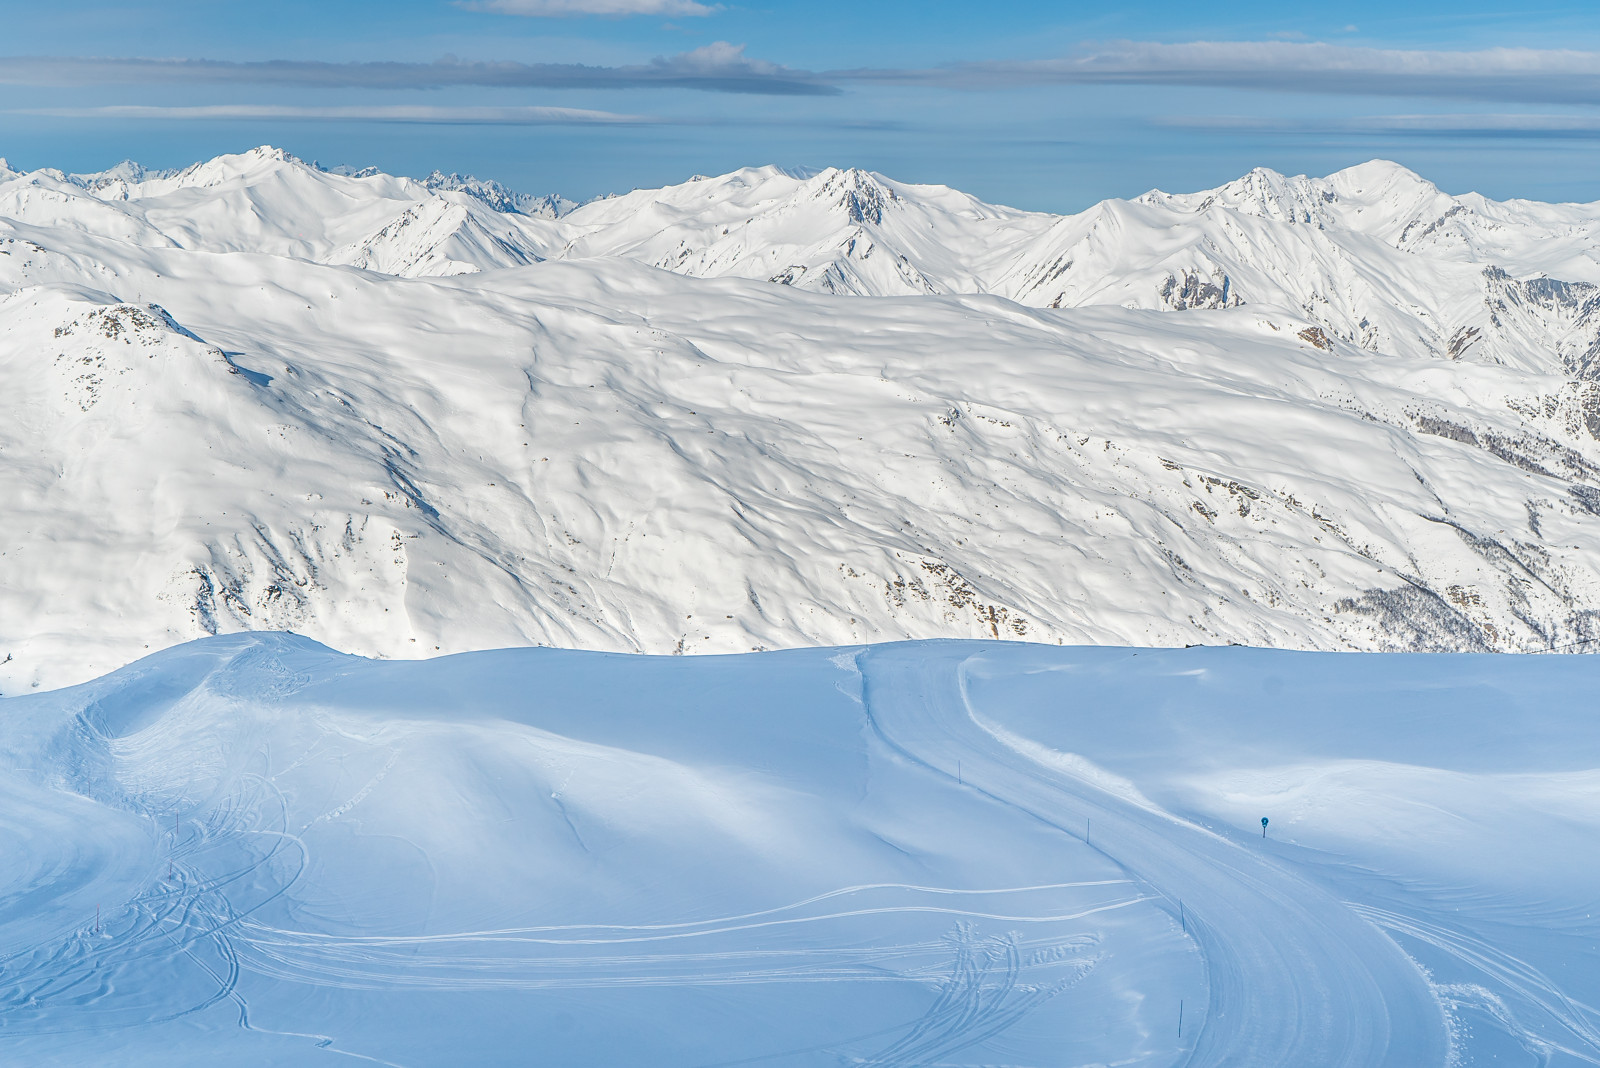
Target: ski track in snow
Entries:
(986, 983)
(233, 855)
(190, 914)
(1295, 976)
(233, 910)
(1528, 1004)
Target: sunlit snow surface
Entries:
(775, 411)
(952, 853)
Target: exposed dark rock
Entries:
(1315, 336)
(1414, 619)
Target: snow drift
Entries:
(252, 850)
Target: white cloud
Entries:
(1318, 57)
(1474, 125)
(719, 67)
(554, 9)
(1510, 74)
(719, 58)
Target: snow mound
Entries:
(252, 849)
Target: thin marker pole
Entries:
(97, 919)
(1086, 830)
(1180, 1017)
(1184, 921)
(958, 773)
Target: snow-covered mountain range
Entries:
(770, 409)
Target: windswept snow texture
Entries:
(935, 853)
(771, 410)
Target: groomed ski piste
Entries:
(251, 849)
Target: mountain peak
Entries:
(862, 194)
(1262, 192)
(1378, 173)
(499, 197)
(261, 160)
(273, 154)
(128, 172)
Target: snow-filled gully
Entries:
(1295, 977)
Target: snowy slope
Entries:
(215, 417)
(838, 231)
(929, 853)
(1374, 254)
(267, 201)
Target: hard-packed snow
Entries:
(253, 850)
(773, 409)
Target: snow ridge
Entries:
(498, 197)
(408, 416)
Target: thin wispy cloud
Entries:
(555, 9)
(1500, 74)
(1508, 75)
(718, 67)
(416, 114)
(1519, 125)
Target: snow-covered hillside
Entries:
(266, 201)
(1317, 413)
(253, 850)
(1373, 255)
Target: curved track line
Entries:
(1295, 977)
(1539, 995)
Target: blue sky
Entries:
(1041, 105)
